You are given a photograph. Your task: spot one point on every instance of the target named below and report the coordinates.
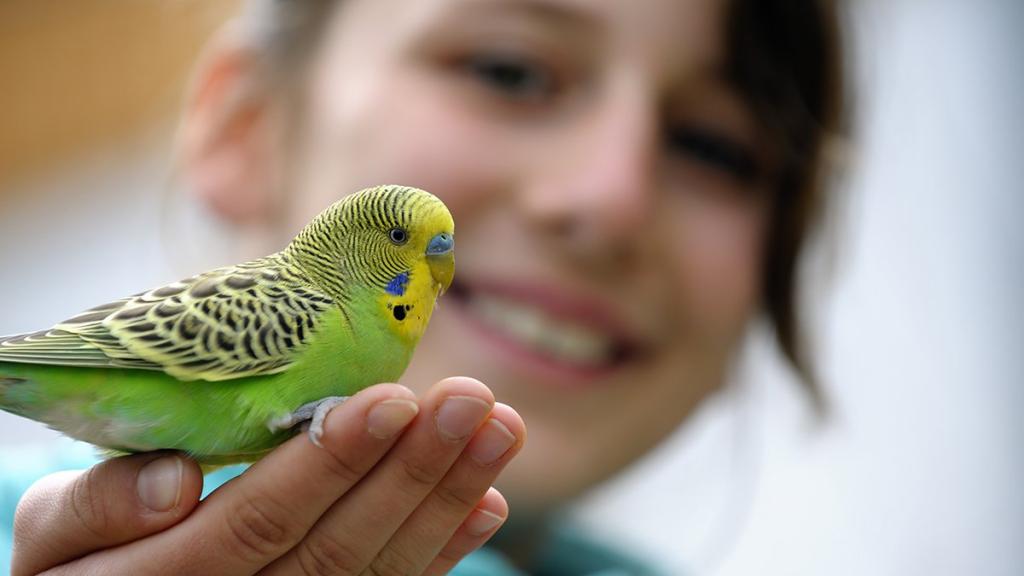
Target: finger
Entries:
(354, 530)
(482, 523)
(70, 514)
(262, 514)
(432, 525)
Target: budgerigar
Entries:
(224, 365)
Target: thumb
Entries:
(69, 514)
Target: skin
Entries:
(423, 489)
(568, 197)
(577, 198)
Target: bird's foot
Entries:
(312, 413)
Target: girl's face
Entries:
(602, 175)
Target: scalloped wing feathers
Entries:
(245, 320)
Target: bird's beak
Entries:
(441, 259)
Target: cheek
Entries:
(717, 247)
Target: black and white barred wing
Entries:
(246, 320)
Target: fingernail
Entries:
(159, 483)
(481, 522)
(491, 442)
(388, 417)
(459, 416)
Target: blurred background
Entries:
(919, 326)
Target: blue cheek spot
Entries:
(397, 285)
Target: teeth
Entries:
(532, 327)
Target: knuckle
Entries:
(451, 555)
(392, 562)
(340, 467)
(86, 504)
(457, 497)
(421, 473)
(321, 554)
(257, 530)
(458, 547)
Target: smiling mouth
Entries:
(547, 327)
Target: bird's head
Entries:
(380, 238)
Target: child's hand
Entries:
(416, 501)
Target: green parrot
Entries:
(226, 364)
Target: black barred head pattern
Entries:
(349, 245)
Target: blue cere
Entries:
(440, 245)
(397, 285)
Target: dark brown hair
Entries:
(784, 58)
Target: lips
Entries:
(552, 327)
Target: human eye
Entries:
(517, 77)
(713, 149)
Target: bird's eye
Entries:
(398, 236)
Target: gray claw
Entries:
(312, 414)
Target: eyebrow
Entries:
(555, 13)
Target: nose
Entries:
(440, 244)
(600, 184)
